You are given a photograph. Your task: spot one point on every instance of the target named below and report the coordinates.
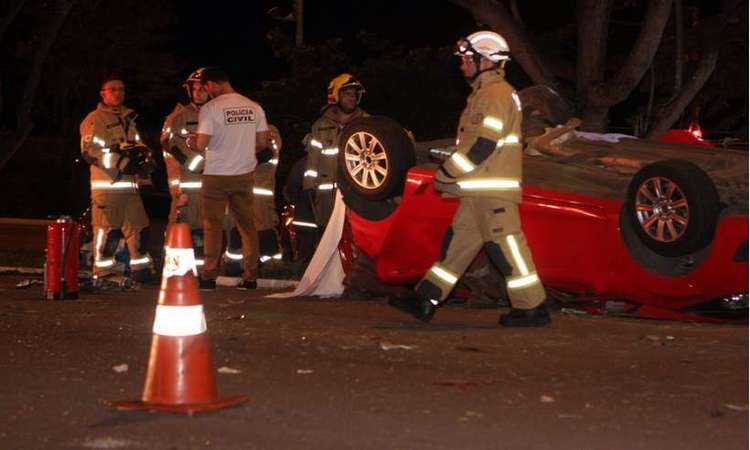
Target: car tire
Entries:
(367, 209)
(374, 155)
(673, 207)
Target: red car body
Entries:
(576, 243)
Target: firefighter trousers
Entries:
(236, 192)
(495, 225)
(112, 211)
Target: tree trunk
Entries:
(670, 113)
(593, 24)
(619, 87)
(24, 123)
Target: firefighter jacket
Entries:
(488, 157)
(264, 207)
(102, 132)
(177, 126)
(323, 148)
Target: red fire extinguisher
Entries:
(61, 268)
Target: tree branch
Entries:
(670, 113)
(617, 88)
(498, 18)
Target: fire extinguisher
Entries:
(61, 268)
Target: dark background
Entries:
(401, 50)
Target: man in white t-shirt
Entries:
(231, 128)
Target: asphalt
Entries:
(355, 374)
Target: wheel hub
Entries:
(366, 161)
(662, 209)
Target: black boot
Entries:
(416, 306)
(534, 317)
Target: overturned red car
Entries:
(647, 228)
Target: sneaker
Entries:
(534, 317)
(417, 307)
(246, 285)
(207, 285)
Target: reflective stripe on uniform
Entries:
(190, 184)
(326, 186)
(107, 160)
(261, 191)
(194, 162)
(493, 123)
(103, 263)
(140, 261)
(517, 101)
(274, 161)
(233, 256)
(265, 258)
(107, 186)
(462, 162)
(444, 275)
(199, 262)
(516, 253)
(316, 144)
(490, 184)
(174, 182)
(522, 281)
(311, 173)
(330, 151)
(299, 223)
(179, 320)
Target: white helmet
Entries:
(488, 44)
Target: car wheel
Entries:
(673, 207)
(367, 209)
(375, 154)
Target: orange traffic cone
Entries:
(180, 376)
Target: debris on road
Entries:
(23, 284)
(108, 442)
(736, 407)
(391, 346)
(229, 370)
(120, 368)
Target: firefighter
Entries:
(264, 210)
(110, 143)
(485, 173)
(344, 96)
(184, 166)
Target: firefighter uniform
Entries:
(184, 168)
(177, 127)
(116, 205)
(485, 173)
(322, 161)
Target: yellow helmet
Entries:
(343, 81)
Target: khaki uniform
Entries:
(322, 160)
(485, 173)
(184, 166)
(115, 203)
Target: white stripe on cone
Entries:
(179, 320)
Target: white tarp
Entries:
(324, 276)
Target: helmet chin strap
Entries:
(481, 71)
